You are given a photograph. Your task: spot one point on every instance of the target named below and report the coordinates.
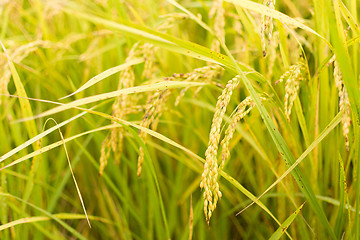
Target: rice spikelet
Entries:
(151, 118)
(242, 110)
(126, 80)
(344, 102)
(148, 51)
(272, 53)
(293, 77)
(203, 74)
(124, 103)
(170, 20)
(209, 178)
(217, 11)
(104, 154)
(267, 27)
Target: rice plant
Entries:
(178, 119)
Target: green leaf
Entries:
(125, 91)
(106, 74)
(280, 231)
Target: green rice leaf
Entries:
(105, 74)
(125, 91)
(280, 231)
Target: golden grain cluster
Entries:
(344, 102)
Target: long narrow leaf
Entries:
(106, 74)
(280, 231)
(125, 91)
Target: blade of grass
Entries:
(30, 125)
(321, 136)
(349, 18)
(71, 170)
(280, 231)
(192, 16)
(24, 102)
(105, 74)
(51, 216)
(342, 183)
(169, 42)
(37, 137)
(138, 89)
(56, 144)
(62, 216)
(264, 10)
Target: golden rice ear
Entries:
(153, 112)
(105, 153)
(148, 51)
(242, 110)
(127, 78)
(293, 77)
(209, 178)
(267, 27)
(204, 74)
(344, 102)
(123, 102)
(217, 11)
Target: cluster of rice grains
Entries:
(124, 104)
(156, 102)
(209, 178)
(218, 12)
(267, 27)
(154, 107)
(115, 140)
(344, 102)
(293, 77)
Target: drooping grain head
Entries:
(209, 178)
(124, 103)
(242, 110)
(272, 56)
(126, 80)
(204, 74)
(104, 154)
(5, 75)
(267, 27)
(293, 77)
(149, 51)
(153, 112)
(217, 11)
(344, 102)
